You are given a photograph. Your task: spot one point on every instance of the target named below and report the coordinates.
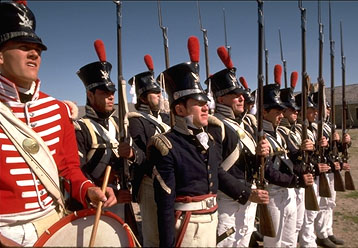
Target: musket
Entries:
(165, 36)
(206, 49)
(324, 190)
(338, 180)
(123, 121)
(266, 225)
(347, 175)
(226, 45)
(310, 196)
(284, 62)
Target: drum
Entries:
(75, 230)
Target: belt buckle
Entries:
(210, 202)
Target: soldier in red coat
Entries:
(37, 138)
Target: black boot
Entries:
(326, 243)
(335, 240)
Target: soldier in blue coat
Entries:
(143, 124)
(185, 162)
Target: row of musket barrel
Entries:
(266, 226)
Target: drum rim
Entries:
(76, 215)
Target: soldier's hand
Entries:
(323, 142)
(124, 196)
(323, 167)
(259, 196)
(307, 145)
(346, 167)
(96, 195)
(336, 136)
(263, 148)
(308, 179)
(125, 150)
(346, 139)
(337, 166)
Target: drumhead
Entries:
(75, 230)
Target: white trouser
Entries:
(307, 237)
(201, 230)
(282, 207)
(300, 201)
(25, 234)
(241, 217)
(148, 212)
(324, 220)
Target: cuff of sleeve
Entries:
(244, 196)
(83, 191)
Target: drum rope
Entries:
(125, 225)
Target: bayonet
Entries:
(226, 43)
(206, 42)
(165, 36)
(282, 59)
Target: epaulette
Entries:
(134, 115)
(217, 122)
(162, 143)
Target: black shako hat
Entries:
(272, 97)
(310, 102)
(225, 82)
(288, 99)
(144, 82)
(97, 75)
(182, 81)
(18, 23)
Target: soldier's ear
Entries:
(180, 109)
(220, 100)
(90, 96)
(1, 58)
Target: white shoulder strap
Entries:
(34, 151)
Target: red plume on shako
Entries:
(278, 74)
(24, 2)
(96, 75)
(287, 96)
(193, 48)
(225, 82)
(225, 57)
(149, 62)
(294, 78)
(100, 50)
(243, 82)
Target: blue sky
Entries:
(69, 28)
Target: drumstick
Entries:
(99, 207)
